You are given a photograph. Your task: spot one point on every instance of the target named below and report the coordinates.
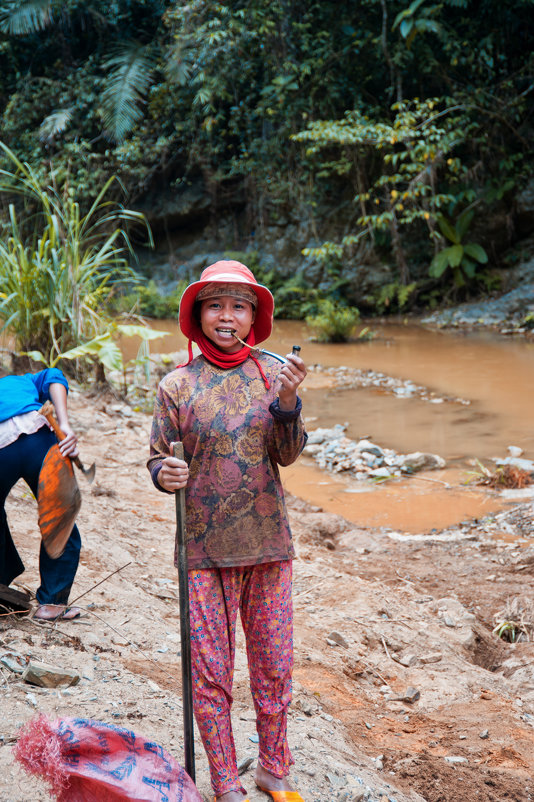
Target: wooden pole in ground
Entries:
(185, 625)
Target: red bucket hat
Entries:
(228, 272)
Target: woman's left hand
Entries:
(291, 375)
(69, 445)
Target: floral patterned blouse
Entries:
(234, 436)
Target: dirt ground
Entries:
(401, 691)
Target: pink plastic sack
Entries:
(89, 761)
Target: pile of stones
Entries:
(362, 459)
(349, 378)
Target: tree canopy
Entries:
(296, 102)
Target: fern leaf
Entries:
(128, 82)
(54, 124)
(19, 19)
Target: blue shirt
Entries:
(20, 394)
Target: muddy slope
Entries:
(402, 692)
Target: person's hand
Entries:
(291, 375)
(173, 474)
(69, 445)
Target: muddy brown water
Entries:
(494, 373)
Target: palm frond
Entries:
(54, 124)
(128, 81)
(19, 19)
(177, 68)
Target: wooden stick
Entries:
(185, 623)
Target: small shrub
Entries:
(392, 297)
(333, 323)
(515, 622)
(505, 476)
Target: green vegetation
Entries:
(333, 323)
(378, 125)
(462, 258)
(515, 622)
(59, 268)
(148, 301)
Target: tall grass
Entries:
(59, 266)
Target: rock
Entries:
(330, 545)
(419, 461)
(484, 734)
(523, 464)
(407, 660)
(356, 795)
(379, 762)
(411, 696)
(435, 657)
(380, 473)
(244, 764)
(365, 446)
(48, 676)
(306, 707)
(338, 639)
(456, 759)
(515, 451)
(14, 661)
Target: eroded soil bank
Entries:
(402, 692)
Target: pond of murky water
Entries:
(494, 374)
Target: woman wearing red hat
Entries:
(237, 414)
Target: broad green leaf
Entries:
(476, 252)
(447, 230)
(405, 27)
(456, 253)
(408, 12)
(439, 264)
(103, 347)
(37, 356)
(463, 223)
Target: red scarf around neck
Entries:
(221, 358)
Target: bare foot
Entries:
(269, 782)
(51, 612)
(231, 796)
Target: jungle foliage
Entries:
(413, 117)
(60, 268)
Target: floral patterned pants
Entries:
(262, 595)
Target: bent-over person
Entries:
(25, 438)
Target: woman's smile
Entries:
(222, 318)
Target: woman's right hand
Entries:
(173, 474)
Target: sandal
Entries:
(283, 796)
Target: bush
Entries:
(148, 301)
(333, 323)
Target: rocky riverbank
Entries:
(402, 692)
